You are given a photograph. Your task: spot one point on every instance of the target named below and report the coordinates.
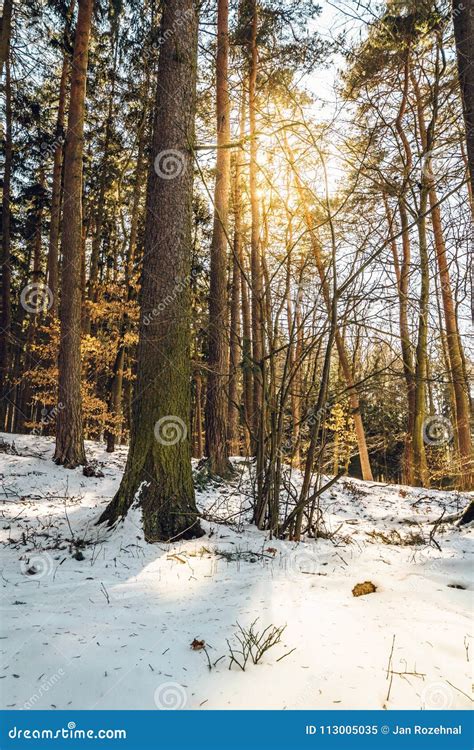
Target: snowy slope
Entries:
(113, 630)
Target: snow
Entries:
(113, 630)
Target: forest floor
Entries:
(95, 618)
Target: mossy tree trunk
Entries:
(158, 472)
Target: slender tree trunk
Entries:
(6, 318)
(198, 445)
(453, 339)
(406, 345)
(115, 401)
(69, 432)
(5, 33)
(463, 19)
(235, 334)
(420, 469)
(402, 273)
(256, 263)
(53, 248)
(216, 401)
(247, 368)
(158, 471)
(238, 280)
(101, 201)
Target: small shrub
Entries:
(253, 644)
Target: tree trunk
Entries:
(115, 400)
(420, 469)
(5, 33)
(402, 273)
(233, 405)
(198, 443)
(453, 339)
(6, 319)
(463, 19)
(101, 201)
(247, 368)
(69, 433)
(158, 472)
(52, 267)
(256, 264)
(216, 401)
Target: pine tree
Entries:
(69, 432)
(216, 402)
(158, 471)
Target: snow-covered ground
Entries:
(94, 618)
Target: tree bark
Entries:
(5, 33)
(256, 264)
(115, 400)
(216, 401)
(101, 201)
(463, 19)
(69, 432)
(198, 443)
(52, 266)
(6, 318)
(453, 339)
(236, 348)
(402, 273)
(234, 358)
(420, 468)
(158, 473)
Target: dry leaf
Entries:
(361, 589)
(197, 645)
